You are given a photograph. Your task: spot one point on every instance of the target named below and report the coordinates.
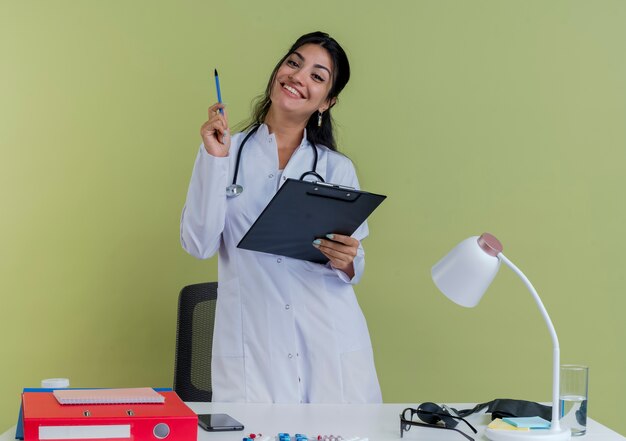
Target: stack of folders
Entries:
(19, 431)
(104, 414)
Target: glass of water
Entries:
(573, 396)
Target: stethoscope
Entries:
(235, 189)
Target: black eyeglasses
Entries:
(405, 424)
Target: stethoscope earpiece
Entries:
(235, 189)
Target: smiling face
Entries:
(303, 81)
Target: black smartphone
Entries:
(215, 422)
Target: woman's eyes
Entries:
(294, 64)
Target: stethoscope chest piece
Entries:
(234, 190)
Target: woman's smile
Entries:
(292, 91)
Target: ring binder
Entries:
(46, 419)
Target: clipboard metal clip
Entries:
(340, 187)
(333, 191)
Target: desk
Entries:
(378, 422)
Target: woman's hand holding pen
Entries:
(340, 250)
(215, 133)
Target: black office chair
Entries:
(194, 341)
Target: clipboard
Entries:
(302, 211)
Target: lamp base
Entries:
(531, 435)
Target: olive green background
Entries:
(472, 116)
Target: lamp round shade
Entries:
(465, 273)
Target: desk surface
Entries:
(378, 422)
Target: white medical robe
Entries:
(286, 330)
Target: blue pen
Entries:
(219, 92)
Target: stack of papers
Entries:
(108, 396)
(498, 424)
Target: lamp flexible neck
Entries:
(555, 425)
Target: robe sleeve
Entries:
(204, 213)
(346, 175)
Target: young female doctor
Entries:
(286, 330)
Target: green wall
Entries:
(472, 116)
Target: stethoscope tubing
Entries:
(243, 143)
(235, 190)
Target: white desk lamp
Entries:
(464, 275)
